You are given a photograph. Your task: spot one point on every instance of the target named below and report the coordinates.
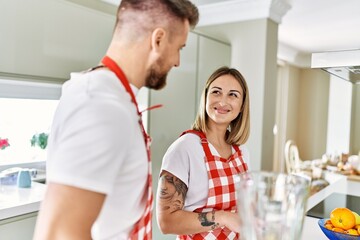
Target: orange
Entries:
(329, 226)
(352, 232)
(340, 230)
(328, 221)
(342, 218)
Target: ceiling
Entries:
(321, 25)
(313, 25)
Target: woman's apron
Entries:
(142, 228)
(221, 194)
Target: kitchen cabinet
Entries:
(19, 227)
(180, 98)
(51, 38)
(19, 209)
(212, 55)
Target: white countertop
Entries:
(16, 201)
(338, 184)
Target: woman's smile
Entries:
(222, 110)
(224, 99)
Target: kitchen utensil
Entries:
(24, 179)
(9, 176)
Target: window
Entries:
(26, 109)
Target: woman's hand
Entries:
(228, 219)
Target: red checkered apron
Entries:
(142, 228)
(221, 195)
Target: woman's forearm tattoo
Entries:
(204, 221)
(207, 223)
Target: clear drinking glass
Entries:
(271, 205)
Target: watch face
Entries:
(334, 200)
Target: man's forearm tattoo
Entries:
(205, 222)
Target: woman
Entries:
(196, 196)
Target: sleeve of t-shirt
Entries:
(91, 144)
(176, 160)
(245, 155)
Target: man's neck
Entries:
(132, 61)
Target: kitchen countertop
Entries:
(16, 201)
(338, 184)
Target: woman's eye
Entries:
(234, 95)
(215, 92)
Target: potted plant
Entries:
(39, 140)
(4, 143)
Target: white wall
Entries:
(312, 113)
(339, 121)
(254, 53)
(355, 121)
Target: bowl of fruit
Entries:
(343, 224)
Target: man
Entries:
(99, 186)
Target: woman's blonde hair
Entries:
(239, 128)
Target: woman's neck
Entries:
(216, 136)
(217, 139)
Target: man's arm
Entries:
(67, 213)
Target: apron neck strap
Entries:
(203, 140)
(112, 65)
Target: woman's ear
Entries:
(158, 37)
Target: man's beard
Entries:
(155, 79)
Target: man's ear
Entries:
(158, 37)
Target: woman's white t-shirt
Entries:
(185, 160)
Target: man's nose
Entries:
(177, 63)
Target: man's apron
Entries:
(142, 229)
(221, 194)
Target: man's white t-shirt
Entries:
(185, 160)
(96, 144)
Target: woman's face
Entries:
(224, 100)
